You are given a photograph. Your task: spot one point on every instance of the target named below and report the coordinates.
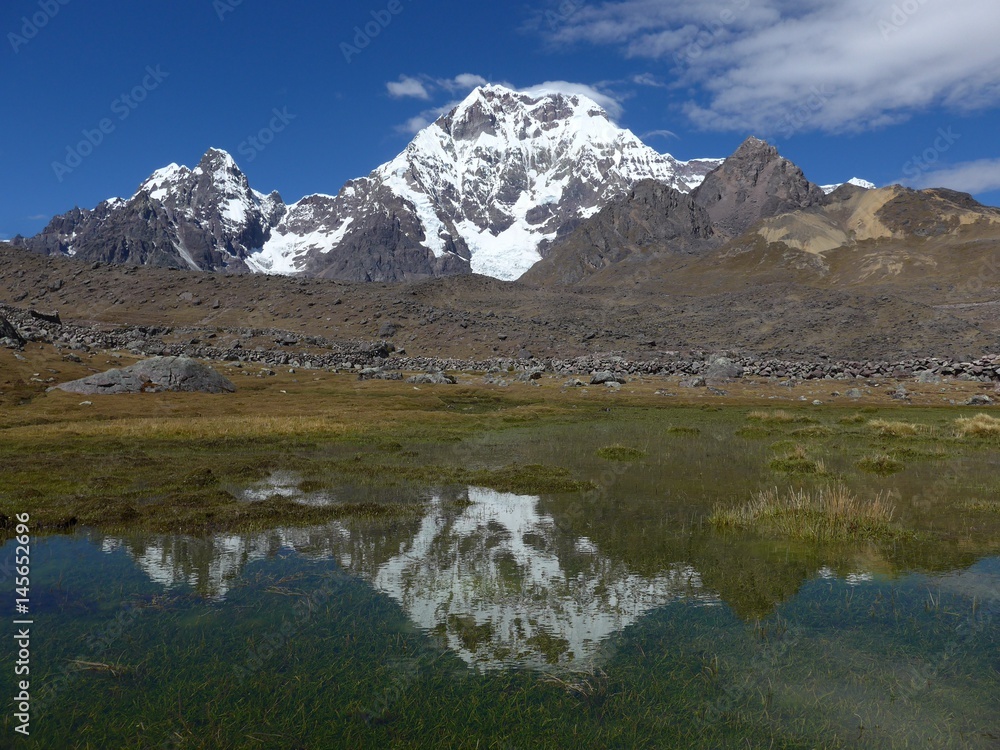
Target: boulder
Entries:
(600, 378)
(723, 368)
(436, 378)
(153, 376)
(9, 336)
(929, 377)
(981, 400)
(696, 382)
(530, 375)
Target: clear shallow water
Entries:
(608, 619)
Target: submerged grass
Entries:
(618, 452)
(881, 464)
(827, 514)
(778, 415)
(798, 462)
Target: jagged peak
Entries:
(754, 146)
(216, 155)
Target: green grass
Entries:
(619, 452)
(881, 464)
(798, 461)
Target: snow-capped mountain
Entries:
(206, 218)
(485, 189)
(856, 181)
(488, 187)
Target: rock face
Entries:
(153, 376)
(652, 217)
(207, 218)
(9, 336)
(752, 184)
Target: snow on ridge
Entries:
(856, 181)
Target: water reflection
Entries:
(484, 570)
(499, 583)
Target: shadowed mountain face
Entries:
(206, 218)
(752, 184)
(652, 218)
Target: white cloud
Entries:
(659, 134)
(407, 87)
(982, 176)
(757, 65)
(462, 82)
(417, 123)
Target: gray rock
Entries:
(855, 393)
(574, 383)
(981, 400)
(928, 377)
(528, 376)
(153, 376)
(377, 373)
(693, 383)
(436, 378)
(723, 368)
(900, 394)
(387, 331)
(606, 376)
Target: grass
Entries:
(619, 452)
(881, 464)
(982, 506)
(980, 426)
(890, 429)
(827, 514)
(778, 416)
(798, 462)
(853, 419)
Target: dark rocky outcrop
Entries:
(651, 218)
(753, 184)
(153, 376)
(9, 335)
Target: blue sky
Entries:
(888, 91)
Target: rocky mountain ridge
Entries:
(485, 189)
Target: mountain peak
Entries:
(754, 183)
(756, 147)
(216, 159)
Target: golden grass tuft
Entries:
(981, 425)
(887, 428)
(827, 514)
